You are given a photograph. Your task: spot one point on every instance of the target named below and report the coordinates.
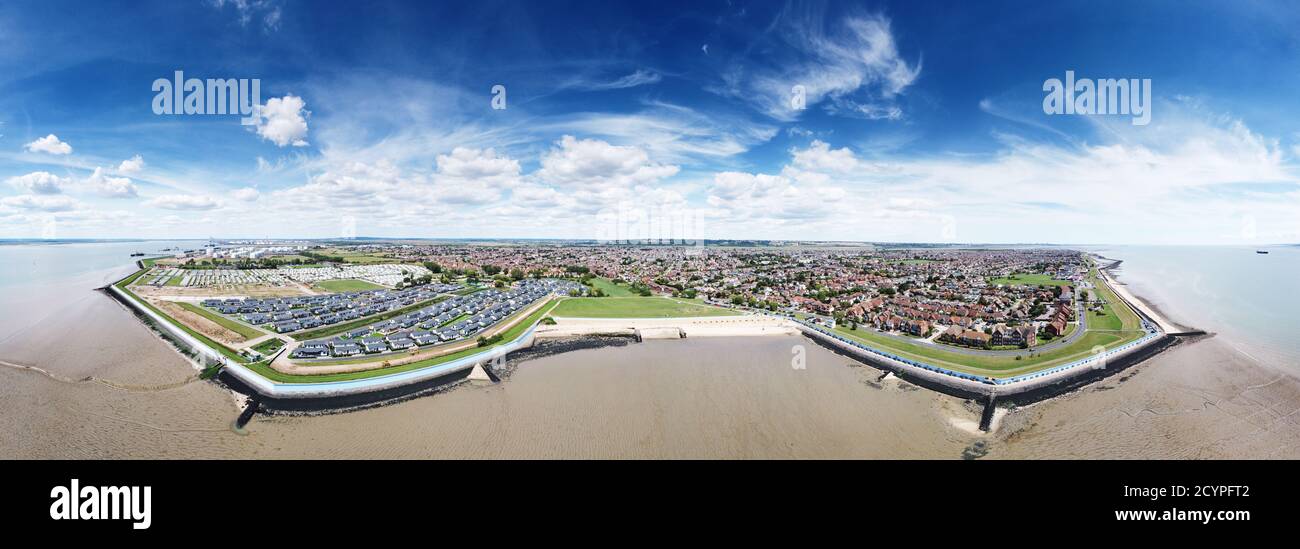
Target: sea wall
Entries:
(968, 385)
(204, 352)
(278, 390)
(330, 389)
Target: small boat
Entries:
(137, 254)
(1261, 251)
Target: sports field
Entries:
(347, 285)
(1028, 280)
(635, 307)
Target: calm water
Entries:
(33, 265)
(1250, 300)
(114, 390)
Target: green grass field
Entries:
(635, 307)
(227, 323)
(1028, 280)
(356, 257)
(1115, 314)
(611, 289)
(347, 285)
(269, 346)
(506, 336)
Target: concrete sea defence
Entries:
(278, 390)
(968, 385)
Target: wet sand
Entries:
(707, 397)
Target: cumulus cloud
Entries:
(246, 194)
(109, 186)
(283, 121)
(741, 196)
(38, 183)
(49, 144)
(131, 165)
(474, 176)
(592, 162)
(184, 202)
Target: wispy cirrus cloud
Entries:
(851, 65)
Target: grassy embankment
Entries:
(233, 325)
(224, 350)
(508, 335)
(635, 307)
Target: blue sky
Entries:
(923, 122)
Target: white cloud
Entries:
(49, 144)
(246, 194)
(131, 165)
(268, 11)
(474, 176)
(470, 163)
(283, 121)
(741, 197)
(671, 133)
(184, 202)
(44, 203)
(109, 186)
(38, 183)
(1189, 177)
(592, 162)
(640, 77)
(853, 62)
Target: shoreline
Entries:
(1144, 307)
(1045, 383)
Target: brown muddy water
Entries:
(113, 389)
